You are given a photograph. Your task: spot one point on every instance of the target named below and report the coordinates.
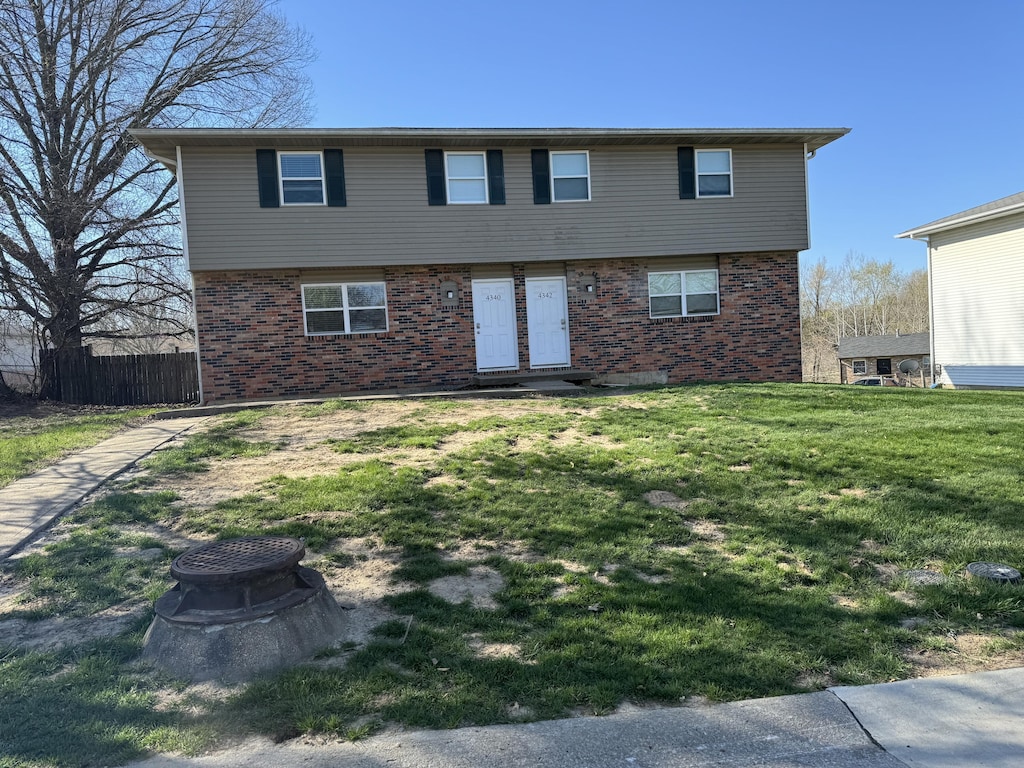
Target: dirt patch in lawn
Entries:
(306, 445)
(47, 634)
(963, 653)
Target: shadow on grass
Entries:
(706, 634)
(83, 706)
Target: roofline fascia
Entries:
(922, 233)
(184, 136)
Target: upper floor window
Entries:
(685, 293)
(302, 178)
(570, 176)
(466, 177)
(337, 308)
(714, 173)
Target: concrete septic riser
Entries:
(241, 607)
(241, 650)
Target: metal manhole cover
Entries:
(994, 572)
(237, 559)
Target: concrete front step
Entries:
(574, 375)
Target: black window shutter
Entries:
(334, 172)
(266, 172)
(496, 176)
(541, 176)
(687, 174)
(435, 177)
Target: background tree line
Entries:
(860, 297)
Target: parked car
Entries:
(876, 381)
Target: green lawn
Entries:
(714, 541)
(32, 440)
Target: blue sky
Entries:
(933, 92)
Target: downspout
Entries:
(808, 156)
(184, 250)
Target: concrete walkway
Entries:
(32, 503)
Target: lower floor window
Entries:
(335, 308)
(860, 367)
(684, 293)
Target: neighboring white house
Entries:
(18, 356)
(976, 294)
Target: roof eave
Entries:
(930, 229)
(161, 140)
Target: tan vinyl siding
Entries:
(635, 211)
(977, 289)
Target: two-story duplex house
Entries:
(327, 261)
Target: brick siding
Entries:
(253, 346)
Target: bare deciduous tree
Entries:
(88, 223)
(861, 297)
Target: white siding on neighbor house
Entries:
(977, 276)
(635, 211)
(983, 376)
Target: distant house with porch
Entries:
(906, 356)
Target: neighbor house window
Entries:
(860, 367)
(466, 177)
(570, 176)
(302, 178)
(682, 294)
(714, 173)
(333, 308)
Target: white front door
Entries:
(547, 321)
(494, 318)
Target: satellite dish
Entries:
(909, 366)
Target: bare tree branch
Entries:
(89, 242)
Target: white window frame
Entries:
(345, 308)
(696, 168)
(682, 284)
(853, 367)
(586, 154)
(322, 178)
(448, 179)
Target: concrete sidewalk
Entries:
(32, 503)
(946, 722)
(968, 721)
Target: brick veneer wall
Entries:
(253, 346)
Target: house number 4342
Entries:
(546, 295)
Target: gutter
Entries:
(168, 163)
(922, 233)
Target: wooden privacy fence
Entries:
(77, 376)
